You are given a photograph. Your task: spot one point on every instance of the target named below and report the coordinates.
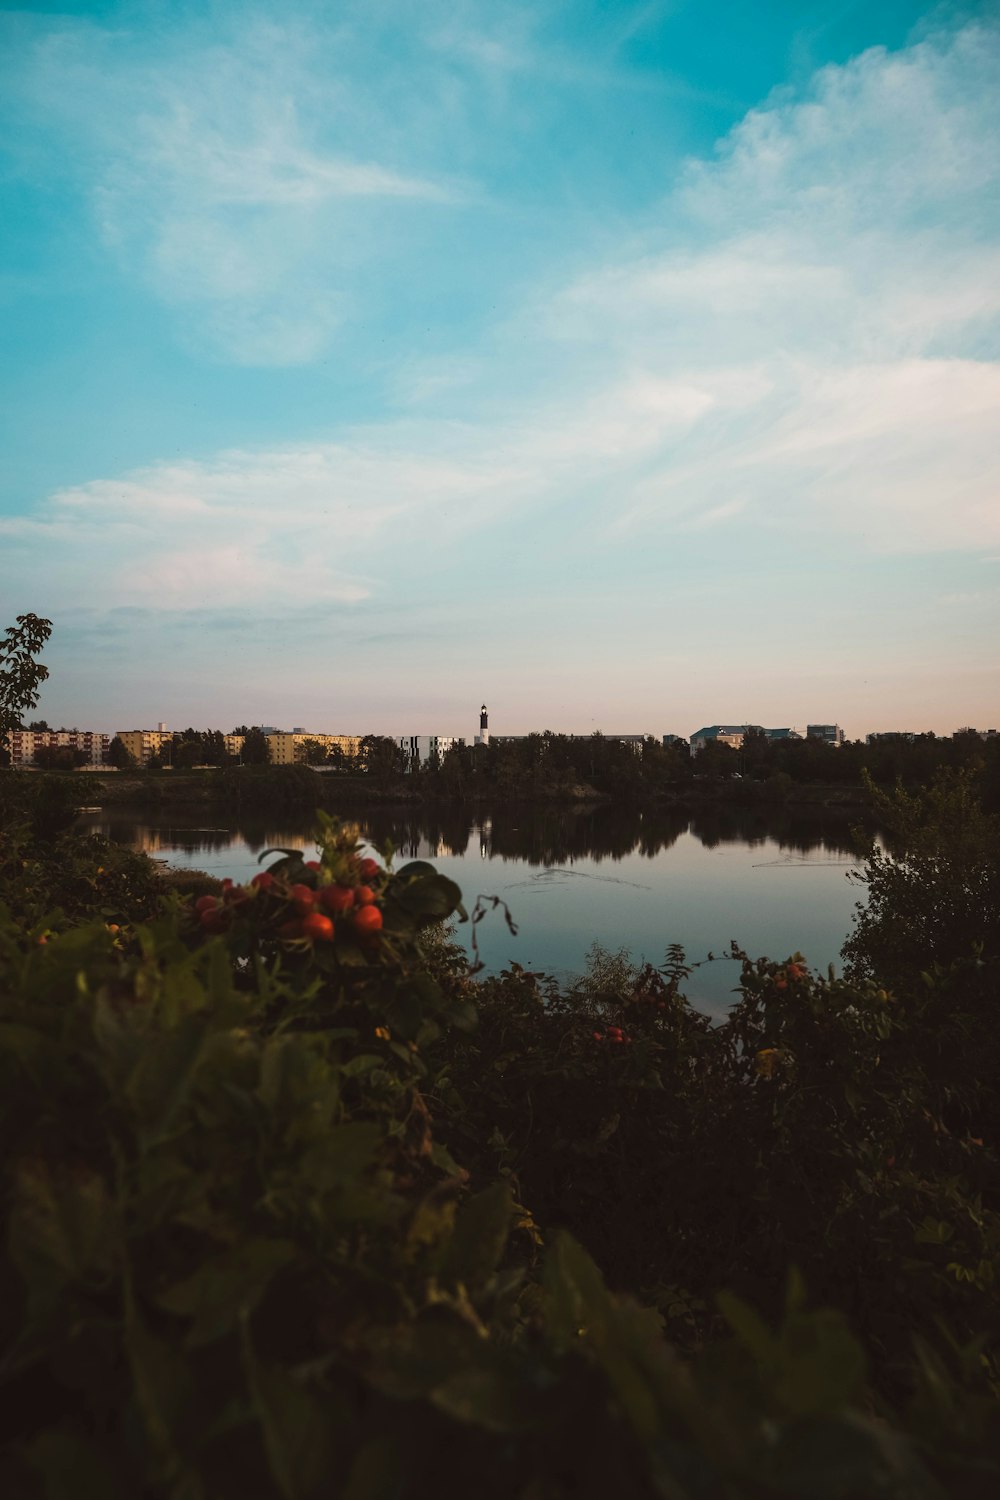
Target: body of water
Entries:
(774, 880)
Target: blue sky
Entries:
(630, 366)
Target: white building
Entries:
(425, 749)
(24, 743)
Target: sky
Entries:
(627, 366)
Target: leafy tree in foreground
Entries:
(20, 674)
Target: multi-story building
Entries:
(732, 735)
(24, 743)
(984, 734)
(421, 749)
(830, 734)
(143, 744)
(890, 736)
(288, 748)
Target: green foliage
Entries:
(256, 751)
(283, 1219)
(118, 754)
(20, 674)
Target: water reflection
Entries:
(556, 836)
(537, 835)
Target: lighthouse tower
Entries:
(483, 737)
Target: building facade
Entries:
(424, 749)
(143, 744)
(732, 735)
(24, 743)
(289, 748)
(830, 734)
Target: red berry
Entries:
(290, 929)
(303, 898)
(312, 864)
(369, 868)
(368, 919)
(213, 919)
(317, 928)
(336, 898)
(364, 895)
(206, 903)
(263, 881)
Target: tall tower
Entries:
(483, 737)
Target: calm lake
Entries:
(775, 879)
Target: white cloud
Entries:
(840, 260)
(236, 169)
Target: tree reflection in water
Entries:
(537, 835)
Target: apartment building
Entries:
(420, 749)
(25, 742)
(830, 734)
(143, 744)
(288, 748)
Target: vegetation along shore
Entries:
(296, 1204)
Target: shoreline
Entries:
(192, 789)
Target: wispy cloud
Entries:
(231, 170)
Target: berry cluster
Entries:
(613, 1034)
(312, 909)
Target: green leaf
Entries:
(298, 1428)
(216, 1295)
(479, 1237)
(358, 1066)
(428, 898)
(748, 1326)
(161, 1383)
(485, 1398)
(61, 1231)
(160, 1083)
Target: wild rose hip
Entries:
(336, 898)
(317, 928)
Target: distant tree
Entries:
(756, 754)
(313, 753)
(118, 754)
(187, 750)
(716, 759)
(20, 673)
(59, 757)
(256, 751)
(381, 757)
(40, 726)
